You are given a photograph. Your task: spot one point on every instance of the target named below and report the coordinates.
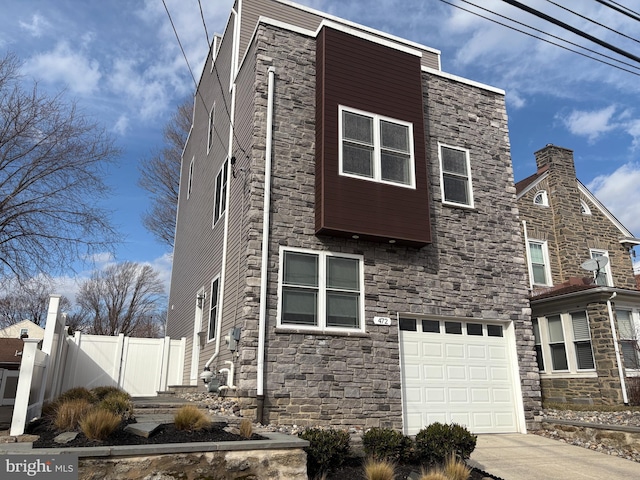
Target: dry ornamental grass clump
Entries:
(379, 470)
(455, 469)
(246, 428)
(190, 417)
(99, 424)
(70, 412)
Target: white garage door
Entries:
(454, 371)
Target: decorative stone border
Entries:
(280, 457)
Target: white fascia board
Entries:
(376, 33)
(456, 78)
(533, 185)
(585, 191)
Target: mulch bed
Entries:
(167, 433)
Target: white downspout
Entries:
(623, 384)
(266, 219)
(527, 254)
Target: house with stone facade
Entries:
(584, 300)
(347, 247)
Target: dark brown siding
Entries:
(360, 74)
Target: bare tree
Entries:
(28, 300)
(122, 298)
(160, 176)
(52, 159)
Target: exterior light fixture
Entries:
(200, 299)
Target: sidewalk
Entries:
(531, 457)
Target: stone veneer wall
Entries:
(474, 268)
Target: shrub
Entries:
(100, 393)
(77, 393)
(379, 470)
(455, 469)
(436, 442)
(387, 444)
(327, 449)
(98, 424)
(246, 428)
(119, 403)
(49, 409)
(70, 412)
(190, 417)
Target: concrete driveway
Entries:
(531, 457)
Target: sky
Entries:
(121, 62)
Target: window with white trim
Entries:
(376, 148)
(602, 276)
(213, 308)
(211, 130)
(539, 262)
(541, 198)
(455, 176)
(628, 333)
(220, 199)
(320, 290)
(563, 342)
(538, 344)
(190, 180)
(584, 208)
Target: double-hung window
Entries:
(376, 148)
(213, 308)
(321, 290)
(602, 276)
(628, 339)
(220, 201)
(563, 343)
(539, 262)
(455, 176)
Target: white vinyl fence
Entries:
(140, 366)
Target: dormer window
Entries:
(541, 198)
(584, 208)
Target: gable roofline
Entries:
(527, 184)
(592, 198)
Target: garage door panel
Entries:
(477, 351)
(434, 372)
(464, 379)
(478, 373)
(454, 351)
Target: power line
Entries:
(548, 34)
(621, 9)
(204, 24)
(204, 104)
(566, 26)
(593, 21)
(540, 38)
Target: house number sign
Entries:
(381, 321)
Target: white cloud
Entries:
(122, 124)
(590, 124)
(620, 193)
(66, 66)
(163, 265)
(37, 25)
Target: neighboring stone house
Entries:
(390, 286)
(584, 299)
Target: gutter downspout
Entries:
(614, 334)
(527, 254)
(266, 219)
